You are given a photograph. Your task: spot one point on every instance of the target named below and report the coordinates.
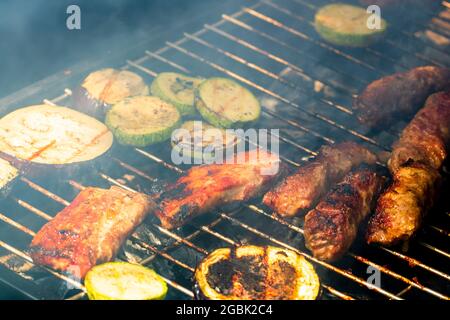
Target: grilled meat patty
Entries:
(401, 207)
(332, 226)
(204, 188)
(301, 190)
(427, 137)
(90, 230)
(399, 94)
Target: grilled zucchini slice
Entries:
(256, 273)
(224, 103)
(142, 120)
(177, 89)
(346, 25)
(124, 281)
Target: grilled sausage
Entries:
(301, 190)
(332, 226)
(401, 208)
(399, 94)
(90, 230)
(427, 137)
(204, 188)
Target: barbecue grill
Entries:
(305, 86)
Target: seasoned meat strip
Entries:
(402, 206)
(90, 230)
(332, 226)
(427, 137)
(301, 190)
(204, 188)
(400, 94)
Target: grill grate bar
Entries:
(247, 27)
(265, 72)
(26, 257)
(273, 57)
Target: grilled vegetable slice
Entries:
(124, 281)
(103, 88)
(53, 135)
(346, 25)
(224, 103)
(176, 89)
(199, 140)
(142, 120)
(7, 174)
(256, 273)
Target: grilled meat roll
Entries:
(427, 137)
(302, 189)
(399, 94)
(90, 230)
(204, 188)
(402, 206)
(332, 226)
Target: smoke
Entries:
(35, 42)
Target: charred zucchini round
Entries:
(103, 88)
(225, 103)
(346, 25)
(124, 281)
(142, 120)
(176, 89)
(53, 135)
(200, 140)
(256, 273)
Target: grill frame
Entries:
(180, 47)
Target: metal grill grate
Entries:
(305, 86)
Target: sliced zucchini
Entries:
(224, 103)
(346, 25)
(142, 120)
(124, 281)
(176, 89)
(256, 273)
(203, 140)
(53, 135)
(7, 174)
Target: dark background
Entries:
(35, 42)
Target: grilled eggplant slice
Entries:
(53, 135)
(255, 273)
(142, 120)
(176, 89)
(103, 88)
(200, 140)
(224, 103)
(124, 281)
(346, 25)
